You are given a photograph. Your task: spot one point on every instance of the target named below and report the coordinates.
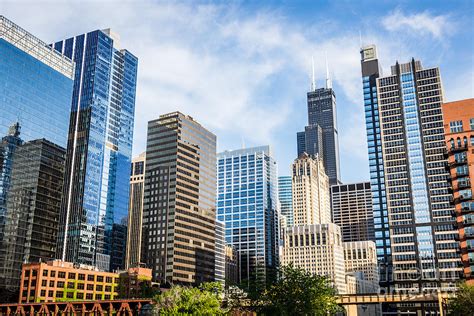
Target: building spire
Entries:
(313, 80)
(328, 78)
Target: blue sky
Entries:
(242, 69)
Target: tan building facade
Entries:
(56, 281)
(310, 186)
(459, 134)
(317, 249)
(135, 212)
(361, 257)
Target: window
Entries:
(61, 275)
(80, 286)
(98, 296)
(100, 278)
(82, 276)
(71, 275)
(90, 277)
(108, 279)
(53, 274)
(90, 287)
(45, 272)
(51, 283)
(79, 296)
(43, 283)
(59, 294)
(70, 295)
(455, 126)
(50, 293)
(108, 288)
(471, 123)
(60, 284)
(43, 293)
(98, 288)
(70, 285)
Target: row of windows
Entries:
(71, 275)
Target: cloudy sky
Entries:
(242, 69)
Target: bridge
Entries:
(350, 301)
(129, 307)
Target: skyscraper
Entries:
(310, 186)
(418, 200)
(459, 131)
(320, 136)
(135, 212)
(352, 211)
(371, 71)
(96, 189)
(36, 88)
(285, 196)
(179, 215)
(247, 203)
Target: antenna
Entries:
(328, 79)
(313, 80)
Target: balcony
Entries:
(464, 184)
(458, 162)
(456, 149)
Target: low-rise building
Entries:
(361, 257)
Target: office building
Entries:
(459, 136)
(96, 189)
(361, 257)
(317, 249)
(36, 88)
(321, 136)
(285, 196)
(371, 71)
(59, 281)
(231, 266)
(352, 211)
(220, 253)
(310, 186)
(135, 212)
(179, 211)
(248, 204)
(416, 179)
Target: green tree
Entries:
(204, 300)
(463, 303)
(298, 292)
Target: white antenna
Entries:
(313, 80)
(328, 79)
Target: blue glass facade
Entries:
(95, 207)
(35, 89)
(370, 73)
(247, 192)
(285, 196)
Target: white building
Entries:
(310, 186)
(317, 249)
(361, 257)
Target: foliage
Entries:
(179, 300)
(463, 303)
(297, 292)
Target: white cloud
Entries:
(422, 23)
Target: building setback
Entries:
(310, 186)
(36, 86)
(247, 203)
(135, 212)
(416, 179)
(352, 211)
(459, 133)
(96, 190)
(179, 217)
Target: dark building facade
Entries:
(321, 135)
(179, 213)
(96, 190)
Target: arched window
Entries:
(465, 141)
(451, 142)
(458, 141)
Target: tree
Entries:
(298, 292)
(179, 300)
(463, 303)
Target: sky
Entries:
(242, 69)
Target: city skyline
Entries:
(272, 63)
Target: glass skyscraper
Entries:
(36, 88)
(410, 122)
(321, 136)
(285, 196)
(247, 193)
(96, 189)
(370, 72)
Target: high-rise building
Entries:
(248, 204)
(352, 211)
(285, 196)
(96, 188)
(310, 186)
(371, 71)
(317, 249)
(231, 266)
(219, 273)
(459, 133)
(36, 88)
(135, 212)
(320, 136)
(416, 180)
(179, 211)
